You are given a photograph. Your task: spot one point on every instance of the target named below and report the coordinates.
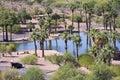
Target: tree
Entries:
(55, 17)
(106, 54)
(65, 36)
(48, 11)
(34, 37)
(77, 40)
(49, 21)
(41, 23)
(73, 6)
(30, 25)
(70, 28)
(42, 35)
(23, 15)
(78, 19)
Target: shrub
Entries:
(100, 72)
(55, 59)
(85, 60)
(10, 74)
(33, 73)
(29, 59)
(67, 72)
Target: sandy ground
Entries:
(43, 64)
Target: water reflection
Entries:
(59, 45)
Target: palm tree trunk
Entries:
(114, 25)
(114, 42)
(6, 33)
(55, 25)
(43, 49)
(110, 25)
(10, 32)
(72, 17)
(86, 21)
(66, 46)
(35, 47)
(78, 27)
(89, 22)
(3, 33)
(40, 45)
(77, 51)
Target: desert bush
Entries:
(100, 72)
(67, 72)
(29, 59)
(10, 74)
(33, 73)
(85, 60)
(55, 59)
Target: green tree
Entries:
(48, 11)
(42, 35)
(66, 37)
(70, 28)
(34, 37)
(78, 19)
(55, 17)
(30, 25)
(106, 54)
(41, 23)
(77, 40)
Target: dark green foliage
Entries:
(85, 60)
(67, 72)
(16, 29)
(33, 73)
(29, 59)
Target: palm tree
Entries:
(55, 17)
(113, 36)
(49, 21)
(72, 8)
(77, 40)
(42, 35)
(106, 54)
(30, 25)
(78, 19)
(70, 28)
(34, 36)
(48, 11)
(94, 51)
(41, 23)
(65, 36)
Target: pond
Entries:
(59, 45)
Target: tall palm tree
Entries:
(65, 36)
(42, 35)
(72, 8)
(33, 36)
(55, 17)
(30, 25)
(106, 54)
(113, 36)
(94, 51)
(48, 11)
(78, 19)
(41, 23)
(49, 21)
(77, 40)
(70, 28)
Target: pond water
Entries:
(59, 45)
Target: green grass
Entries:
(85, 60)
